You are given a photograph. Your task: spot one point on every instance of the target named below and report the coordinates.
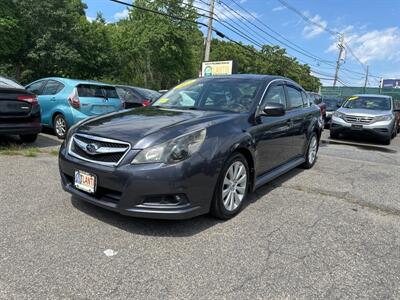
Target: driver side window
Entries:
(276, 94)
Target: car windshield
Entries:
(372, 103)
(8, 83)
(96, 91)
(148, 94)
(332, 103)
(222, 94)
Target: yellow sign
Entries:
(212, 68)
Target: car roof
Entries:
(372, 95)
(74, 82)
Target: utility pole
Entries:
(209, 32)
(366, 78)
(341, 48)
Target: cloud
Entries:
(312, 30)
(375, 45)
(122, 14)
(278, 8)
(90, 19)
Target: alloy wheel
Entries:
(234, 186)
(60, 126)
(312, 150)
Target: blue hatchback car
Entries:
(65, 102)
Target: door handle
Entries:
(289, 122)
(53, 99)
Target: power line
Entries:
(219, 33)
(301, 51)
(254, 39)
(325, 28)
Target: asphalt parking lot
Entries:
(329, 232)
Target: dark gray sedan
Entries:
(201, 147)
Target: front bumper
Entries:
(129, 189)
(382, 129)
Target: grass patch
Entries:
(54, 152)
(13, 150)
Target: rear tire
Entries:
(312, 151)
(28, 138)
(232, 188)
(60, 126)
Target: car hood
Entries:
(142, 127)
(363, 112)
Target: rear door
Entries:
(49, 99)
(271, 133)
(98, 99)
(299, 115)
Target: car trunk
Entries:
(97, 100)
(11, 106)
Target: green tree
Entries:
(157, 51)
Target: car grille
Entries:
(98, 150)
(358, 119)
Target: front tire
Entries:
(232, 188)
(60, 126)
(311, 154)
(28, 138)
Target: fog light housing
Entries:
(166, 200)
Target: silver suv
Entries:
(372, 115)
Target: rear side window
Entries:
(276, 94)
(52, 87)
(36, 87)
(306, 99)
(295, 98)
(127, 95)
(96, 91)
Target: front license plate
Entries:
(356, 127)
(85, 181)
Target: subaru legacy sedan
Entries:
(65, 102)
(369, 115)
(201, 147)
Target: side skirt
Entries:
(263, 179)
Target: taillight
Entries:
(146, 102)
(74, 99)
(28, 98)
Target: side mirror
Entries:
(273, 109)
(338, 105)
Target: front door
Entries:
(271, 133)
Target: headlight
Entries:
(172, 151)
(383, 118)
(338, 114)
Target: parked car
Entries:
(135, 97)
(181, 157)
(65, 102)
(332, 104)
(317, 100)
(19, 111)
(373, 115)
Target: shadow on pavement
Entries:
(171, 228)
(358, 142)
(43, 141)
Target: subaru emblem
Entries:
(92, 148)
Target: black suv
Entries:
(201, 147)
